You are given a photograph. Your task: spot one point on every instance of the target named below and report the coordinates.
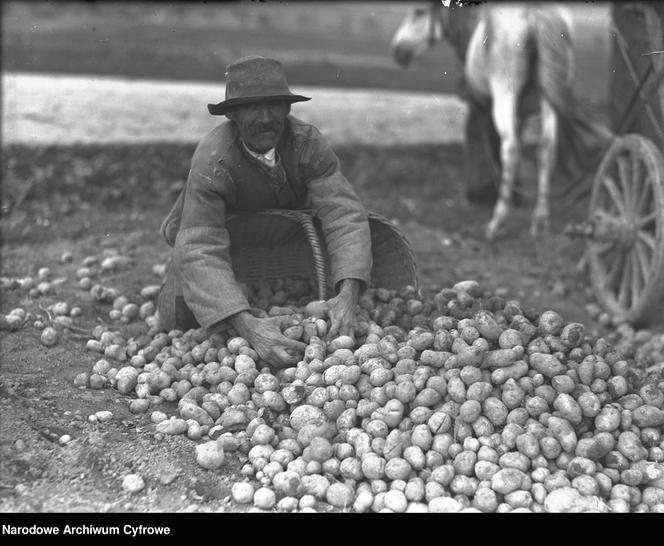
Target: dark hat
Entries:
(253, 79)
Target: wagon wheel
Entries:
(626, 250)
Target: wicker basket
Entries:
(277, 244)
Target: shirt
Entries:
(268, 158)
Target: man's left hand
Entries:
(341, 309)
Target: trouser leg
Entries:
(482, 163)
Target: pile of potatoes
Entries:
(464, 401)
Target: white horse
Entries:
(518, 60)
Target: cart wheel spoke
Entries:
(646, 191)
(625, 177)
(648, 239)
(636, 181)
(643, 221)
(625, 283)
(637, 279)
(614, 192)
(644, 259)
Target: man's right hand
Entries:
(265, 337)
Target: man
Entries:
(260, 158)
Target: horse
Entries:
(518, 61)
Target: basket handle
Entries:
(307, 223)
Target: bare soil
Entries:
(91, 216)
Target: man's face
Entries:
(261, 123)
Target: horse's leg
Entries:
(505, 119)
(547, 157)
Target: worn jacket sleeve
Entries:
(201, 252)
(344, 219)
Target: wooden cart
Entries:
(625, 235)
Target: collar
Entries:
(269, 158)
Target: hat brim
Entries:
(222, 108)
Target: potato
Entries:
(514, 371)
(363, 501)
(512, 394)
(586, 371)
(380, 376)
(501, 358)
(487, 325)
(568, 408)
(507, 480)
(365, 352)
(242, 492)
(372, 364)
(350, 374)
(427, 398)
(550, 322)
(116, 352)
(608, 418)
(469, 411)
(319, 449)
(97, 381)
(564, 432)
(477, 389)
(417, 416)
(652, 395)
(126, 379)
(435, 359)
(192, 411)
(629, 445)
(470, 287)
(421, 375)
(415, 457)
(397, 468)
(341, 342)
(546, 364)
(648, 416)
(564, 384)
(317, 309)
(264, 498)
(495, 410)
(172, 426)
(49, 337)
(373, 467)
(471, 355)
(388, 347)
(421, 340)
(456, 389)
(442, 340)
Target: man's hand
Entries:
(265, 337)
(341, 309)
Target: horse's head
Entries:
(419, 31)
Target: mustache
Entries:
(262, 127)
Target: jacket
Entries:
(225, 178)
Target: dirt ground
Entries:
(39, 402)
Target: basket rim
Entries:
(306, 217)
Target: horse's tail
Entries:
(581, 141)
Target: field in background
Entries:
(337, 44)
